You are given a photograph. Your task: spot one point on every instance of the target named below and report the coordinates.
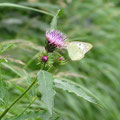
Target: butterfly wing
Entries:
(75, 53)
(77, 50)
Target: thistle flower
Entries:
(55, 39)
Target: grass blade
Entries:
(24, 7)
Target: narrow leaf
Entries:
(76, 89)
(12, 69)
(24, 7)
(3, 92)
(5, 48)
(2, 60)
(0, 47)
(45, 81)
(29, 81)
(54, 20)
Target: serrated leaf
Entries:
(45, 81)
(54, 20)
(76, 89)
(5, 48)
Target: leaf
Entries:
(40, 5)
(45, 81)
(29, 81)
(43, 115)
(0, 47)
(5, 48)
(3, 92)
(24, 7)
(3, 60)
(13, 69)
(74, 88)
(54, 20)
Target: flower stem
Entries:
(29, 105)
(5, 112)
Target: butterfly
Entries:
(77, 50)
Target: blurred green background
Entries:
(94, 21)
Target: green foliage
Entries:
(94, 21)
(23, 7)
(3, 60)
(54, 20)
(41, 115)
(46, 88)
(5, 48)
(3, 93)
(72, 87)
(29, 81)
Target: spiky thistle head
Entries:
(55, 39)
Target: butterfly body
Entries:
(77, 50)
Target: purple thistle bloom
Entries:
(56, 38)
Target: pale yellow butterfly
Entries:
(77, 50)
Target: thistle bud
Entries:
(60, 58)
(45, 58)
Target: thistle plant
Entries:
(45, 81)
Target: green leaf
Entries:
(24, 7)
(12, 69)
(42, 115)
(3, 92)
(5, 48)
(74, 88)
(0, 47)
(40, 5)
(54, 20)
(29, 81)
(45, 81)
(3, 60)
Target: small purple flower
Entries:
(45, 58)
(56, 38)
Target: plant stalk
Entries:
(5, 112)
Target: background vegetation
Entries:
(94, 21)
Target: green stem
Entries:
(5, 112)
(29, 105)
